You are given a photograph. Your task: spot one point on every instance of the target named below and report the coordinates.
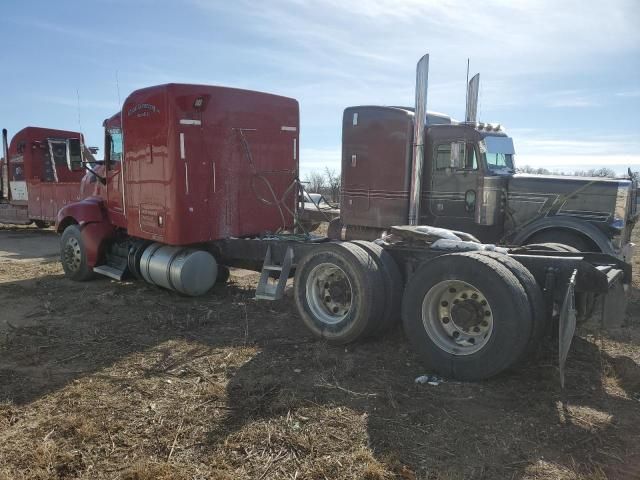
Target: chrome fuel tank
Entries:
(185, 270)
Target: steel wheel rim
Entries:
(329, 293)
(457, 317)
(72, 254)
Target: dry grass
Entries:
(124, 381)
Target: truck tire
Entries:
(462, 330)
(337, 290)
(392, 284)
(73, 256)
(223, 274)
(534, 295)
(564, 237)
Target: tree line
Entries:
(325, 182)
(604, 172)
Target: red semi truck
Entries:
(198, 178)
(36, 182)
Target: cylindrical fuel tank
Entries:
(185, 270)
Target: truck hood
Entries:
(600, 200)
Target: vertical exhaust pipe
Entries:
(473, 88)
(419, 120)
(4, 166)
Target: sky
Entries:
(563, 77)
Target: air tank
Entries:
(186, 270)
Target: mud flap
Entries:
(614, 305)
(567, 325)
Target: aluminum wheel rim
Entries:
(72, 254)
(457, 317)
(329, 293)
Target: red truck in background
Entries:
(36, 182)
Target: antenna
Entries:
(79, 120)
(118, 88)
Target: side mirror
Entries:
(74, 154)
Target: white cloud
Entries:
(569, 99)
(571, 144)
(527, 36)
(575, 151)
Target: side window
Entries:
(115, 150)
(54, 158)
(58, 150)
(470, 156)
(443, 157)
(457, 156)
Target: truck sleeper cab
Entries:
(185, 165)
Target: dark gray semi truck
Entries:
(468, 182)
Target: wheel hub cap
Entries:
(329, 293)
(457, 317)
(72, 254)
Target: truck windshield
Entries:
(498, 152)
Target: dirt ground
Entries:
(127, 381)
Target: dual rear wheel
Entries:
(468, 315)
(472, 315)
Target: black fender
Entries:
(578, 226)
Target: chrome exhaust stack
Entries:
(419, 120)
(471, 112)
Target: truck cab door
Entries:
(452, 193)
(114, 160)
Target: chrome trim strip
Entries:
(186, 177)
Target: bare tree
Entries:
(534, 170)
(316, 182)
(596, 172)
(333, 184)
(592, 172)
